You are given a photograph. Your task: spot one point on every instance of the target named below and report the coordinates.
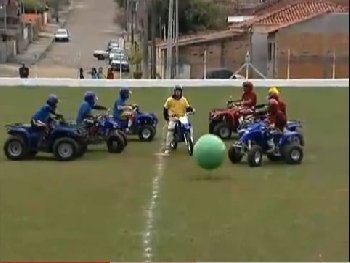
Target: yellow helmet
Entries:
(273, 90)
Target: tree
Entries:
(33, 6)
(194, 15)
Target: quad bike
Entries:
(256, 142)
(65, 142)
(103, 129)
(223, 122)
(144, 124)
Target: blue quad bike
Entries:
(144, 125)
(292, 125)
(255, 141)
(65, 142)
(183, 133)
(103, 129)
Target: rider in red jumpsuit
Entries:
(277, 122)
(249, 98)
(275, 95)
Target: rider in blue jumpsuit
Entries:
(86, 107)
(121, 109)
(40, 119)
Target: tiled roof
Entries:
(296, 12)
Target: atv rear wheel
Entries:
(65, 149)
(293, 154)
(15, 148)
(255, 156)
(115, 143)
(235, 155)
(146, 133)
(222, 130)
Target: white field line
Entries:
(151, 209)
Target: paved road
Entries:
(91, 26)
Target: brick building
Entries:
(223, 49)
(301, 39)
(286, 38)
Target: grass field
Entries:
(96, 208)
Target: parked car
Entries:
(120, 62)
(62, 35)
(100, 54)
(112, 44)
(115, 52)
(222, 73)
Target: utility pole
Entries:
(132, 21)
(145, 5)
(177, 66)
(170, 39)
(153, 39)
(127, 11)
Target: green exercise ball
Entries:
(209, 152)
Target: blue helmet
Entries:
(90, 97)
(124, 93)
(52, 100)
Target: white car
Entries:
(115, 52)
(62, 35)
(120, 63)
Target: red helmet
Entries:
(248, 86)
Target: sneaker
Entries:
(166, 152)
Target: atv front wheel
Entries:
(255, 156)
(65, 149)
(15, 148)
(235, 155)
(222, 130)
(146, 133)
(293, 154)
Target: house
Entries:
(305, 39)
(10, 28)
(15, 32)
(225, 48)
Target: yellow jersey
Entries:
(176, 108)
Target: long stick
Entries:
(177, 38)
(170, 39)
(288, 65)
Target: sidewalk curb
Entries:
(42, 54)
(62, 23)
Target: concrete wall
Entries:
(328, 23)
(315, 47)
(228, 53)
(7, 49)
(259, 51)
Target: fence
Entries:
(150, 83)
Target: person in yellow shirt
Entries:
(175, 106)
